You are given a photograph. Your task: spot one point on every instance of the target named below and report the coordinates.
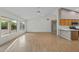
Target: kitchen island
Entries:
(69, 34)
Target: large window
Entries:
(4, 27)
(22, 26)
(13, 26)
(7, 27)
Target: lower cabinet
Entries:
(65, 34)
(70, 35)
(74, 35)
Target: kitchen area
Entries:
(68, 27)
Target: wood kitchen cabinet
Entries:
(74, 35)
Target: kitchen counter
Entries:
(69, 34)
(69, 29)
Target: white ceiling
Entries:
(73, 8)
(30, 12)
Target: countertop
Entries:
(69, 29)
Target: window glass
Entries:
(7, 27)
(22, 26)
(13, 25)
(4, 27)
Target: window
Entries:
(22, 26)
(4, 27)
(13, 25)
(7, 27)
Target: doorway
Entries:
(54, 27)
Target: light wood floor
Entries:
(42, 42)
(5, 46)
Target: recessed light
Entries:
(47, 18)
(38, 11)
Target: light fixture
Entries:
(48, 19)
(38, 11)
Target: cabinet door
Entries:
(74, 35)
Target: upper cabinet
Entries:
(67, 17)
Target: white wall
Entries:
(38, 24)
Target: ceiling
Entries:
(73, 8)
(30, 12)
